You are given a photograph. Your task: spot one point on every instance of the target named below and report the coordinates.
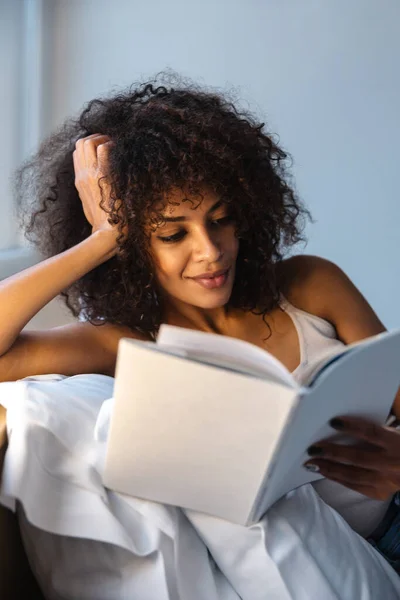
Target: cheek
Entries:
(169, 263)
(231, 243)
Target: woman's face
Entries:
(195, 251)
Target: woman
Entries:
(187, 217)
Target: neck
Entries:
(183, 315)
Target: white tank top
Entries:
(317, 336)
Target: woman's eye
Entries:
(176, 237)
(222, 221)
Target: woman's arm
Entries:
(23, 295)
(77, 348)
(320, 287)
(72, 349)
(372, 466)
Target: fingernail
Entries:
(315, 451)
(312, 468)
(337, 423)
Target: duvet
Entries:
(84, 541)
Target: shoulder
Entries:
(310, 281)
(320, 287)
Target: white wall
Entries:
(25, 35)
(10, 102)
(325, 74)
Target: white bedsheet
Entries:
(88, 543)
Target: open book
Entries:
(215, 424)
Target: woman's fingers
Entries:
(90, 148)
(379, 485)
(366, 430)
(346, 473)
(75, 161)
(86, 149)
(378, 447)
(371, 467)
(91, 169)
(102, 155)
(371, 458)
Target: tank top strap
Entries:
(316, 335)
(323, 326)
(291, 311)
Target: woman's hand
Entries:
(371, 468)
(91, 167)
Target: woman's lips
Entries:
(216, 281)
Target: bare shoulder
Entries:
(70, 350)
(320, 287)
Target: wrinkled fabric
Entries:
(386, 538)
(86, 542)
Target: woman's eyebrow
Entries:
(179, 219)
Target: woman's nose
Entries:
(207, 248)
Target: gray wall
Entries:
(324, 74)
(10, 109)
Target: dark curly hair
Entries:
(165, 137)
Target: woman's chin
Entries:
(209, 301)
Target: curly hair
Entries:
(165, 137)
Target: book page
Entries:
(225, 352)
(197, 437)
(362, 383)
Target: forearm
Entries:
(23, 295)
